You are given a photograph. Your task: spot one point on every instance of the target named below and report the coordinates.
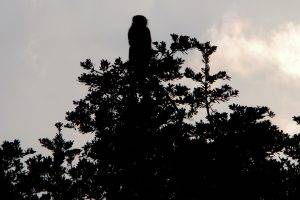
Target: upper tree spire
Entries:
(139, 38)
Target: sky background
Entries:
(43, 41)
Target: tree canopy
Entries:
(145, 144)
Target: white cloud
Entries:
(286, 47)
(242, 44)
(264, 65)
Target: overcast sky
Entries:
(43, 41)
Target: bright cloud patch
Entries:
(246, 50)
(286, 47)
(264, 65)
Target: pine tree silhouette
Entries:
(145, 145)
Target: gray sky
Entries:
(43, 41)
